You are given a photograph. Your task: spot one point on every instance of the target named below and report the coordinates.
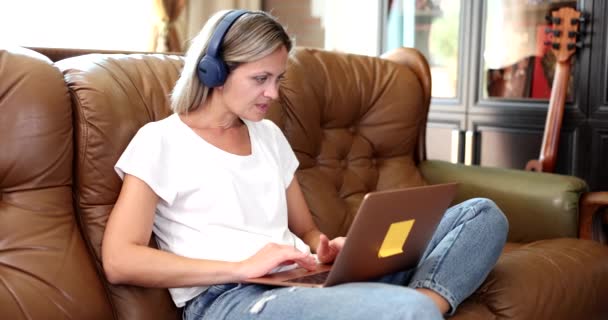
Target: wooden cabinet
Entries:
(594, 147)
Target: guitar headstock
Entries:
(565, 23)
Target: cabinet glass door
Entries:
(518, 50)
(433, 27)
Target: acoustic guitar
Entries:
(565, 31)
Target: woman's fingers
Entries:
(290, 255)
(307, 262)
(325, 251)
(337, 243)
(275, 255)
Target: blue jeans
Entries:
(461, 253)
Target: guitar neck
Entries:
(553, 124)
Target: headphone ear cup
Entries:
(211, 71)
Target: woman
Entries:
(215, 183)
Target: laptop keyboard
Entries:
(317, 278)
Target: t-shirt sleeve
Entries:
(145, 159)
(288, 162)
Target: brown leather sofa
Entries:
(356, 124)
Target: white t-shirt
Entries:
(213, 204)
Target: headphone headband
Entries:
(220, 32)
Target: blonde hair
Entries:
(251, 37)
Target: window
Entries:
(433, 27)
(90, 24)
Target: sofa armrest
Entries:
(537, 205)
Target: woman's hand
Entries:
(274, 255)
(328, 250)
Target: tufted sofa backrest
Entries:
(45, 266)
(113, 95)
(356, 124)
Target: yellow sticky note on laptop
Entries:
(395, 238)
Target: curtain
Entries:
(166, 36)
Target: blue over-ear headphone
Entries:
(212, 70)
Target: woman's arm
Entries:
(301, 223)
(299, 216)
(127, 258)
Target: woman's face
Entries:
(250, 87)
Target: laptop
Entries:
(389, 233)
